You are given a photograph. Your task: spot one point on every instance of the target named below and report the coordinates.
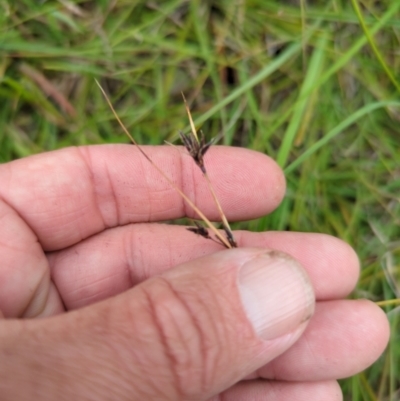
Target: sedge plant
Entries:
(196, 147)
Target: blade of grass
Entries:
(199, 20)
(340, 63)
(359, 43)
(338, 129)
(388, 302)
(372, 43)
(291, 51)
(313, 72)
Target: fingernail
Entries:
(277, 294)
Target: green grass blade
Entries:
(291, 51)
(339, 129)
(313, 73)
(373, 45)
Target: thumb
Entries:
(187, 334)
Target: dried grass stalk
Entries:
(198, 148)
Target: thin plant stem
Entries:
(190, 118)
(388, 302)
(225, 222)
(182, 194)
(195, 150)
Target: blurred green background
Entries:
(313, 84)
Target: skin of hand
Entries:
(101, 302)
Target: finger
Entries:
(263, 390)
(190, 333)
(117, 259)
(342, 339)
(25, 286)
(73, 193)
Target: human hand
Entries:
(156, 313)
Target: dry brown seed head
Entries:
(199, 230)
(196, 148)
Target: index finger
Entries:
(71, 194)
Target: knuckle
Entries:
(189, 337)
